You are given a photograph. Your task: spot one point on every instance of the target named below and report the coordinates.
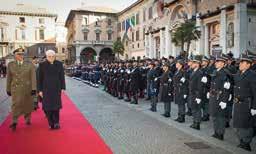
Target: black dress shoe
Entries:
(195, 126)
(56, 126)
(205, 118)
(215, 135)
(13, 126)
(227, 125)
(181, 119)
(177, 119)
(166, 115)
(28, 123)
(246, 146)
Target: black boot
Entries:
(189, 112)
(13, 126)
(195, 126)
(206, 118)
(166, 114)
(181, 119)
(245, 146)
(227, 125)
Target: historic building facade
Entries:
(146, 28)
(29, 27)
(91, 32)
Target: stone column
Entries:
(223, 31)
(162, 43)
(200, 41)
(78, 52)
(206, 40)
(240, 26)
(168, 41)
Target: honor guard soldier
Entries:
(206, 88)
(166, 90)
(180, 85)
(21, 86)
(135, 79)
(196, 82)
(244, 110)
(219, 95)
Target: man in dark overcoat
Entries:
(51, 84)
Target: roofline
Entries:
(28, 14)
(72, 12)
(129, 7)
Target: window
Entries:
(137, 18)
(40, 50)
(22, 20)
(85, 36)
(16, 34)
(144, 30)
(123, 25)
(35, 34)
(150, 13)
(119, 26)
(2, 34)
(138, 45)
(109, 36)
(85, 21)
(144, 14)
(132, 36)
(23, 34)
(109, 22)
(97, 36)
(137, 35)
(41, 34)
(63, 50)
(41, 20)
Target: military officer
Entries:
(244, 102)
(180, 85)
(196, 91)
(219, 95)
(21, 85)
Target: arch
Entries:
(87, 55)
(178, 14)
(106, 54)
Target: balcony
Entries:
(93, 42)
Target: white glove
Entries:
(185, 96)
(169, 94)
(223, 105)
(230, 97)
(182, 80)
(227, 85)
(208, 95)
(156, 79)
(253, 112)
(198, 100)
(204, 79)
(169, 80)
(122, 71)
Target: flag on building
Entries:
(127, 25)
(132, 21)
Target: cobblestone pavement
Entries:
(134, 129)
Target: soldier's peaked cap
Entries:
(197, 58)
(19, 50)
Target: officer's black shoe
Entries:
(245, 146)
(28, 122)
(152, 109)
(195, 126)
(57, 126)
(147, 99)
(127, 100)
(13, 126)
(167, 115)
(189, 113)
(177, 119)
(121, 97)
(215, 135)
(206, 118)
(227, 125)
(181, 119)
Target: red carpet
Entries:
(76, 135)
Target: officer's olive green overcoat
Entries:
(21, 80)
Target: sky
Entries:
(62, 7)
